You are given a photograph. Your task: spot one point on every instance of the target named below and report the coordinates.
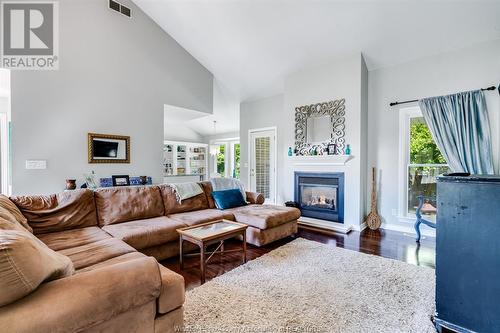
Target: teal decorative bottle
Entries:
(290, 151)
(348, 150)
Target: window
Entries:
(226, 158)
(221, 160)
(236, 160)
(421, 163)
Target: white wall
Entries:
(115, 76)
(347, 79)
(467, 69)
(267, 112)
(178, 131)
(339, 79)
(373, 130)
(221, 137)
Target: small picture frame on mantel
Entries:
(121, 180)
(332, 149)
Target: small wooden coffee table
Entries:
(210, 233)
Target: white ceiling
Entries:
(181, 124)
(251, 45)
(226, 113)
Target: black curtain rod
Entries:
(416, 100)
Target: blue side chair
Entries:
(420, 219)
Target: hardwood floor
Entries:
(385, 243)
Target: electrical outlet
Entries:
(36, 164)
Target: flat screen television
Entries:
(107, 149)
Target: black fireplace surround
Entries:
(320, 195)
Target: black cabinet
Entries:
(468, 253)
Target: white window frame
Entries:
(233, 157)
(5, 118)
(405, 116)
(6, 188)
(228, 155)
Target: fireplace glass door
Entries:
(319, 196)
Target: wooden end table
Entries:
(210, 233)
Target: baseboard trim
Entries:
(308, 222)
(409, 229)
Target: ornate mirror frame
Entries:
(336, 111)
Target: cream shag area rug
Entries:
(305, 286)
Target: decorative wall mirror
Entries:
(105, 148)
(318, 125)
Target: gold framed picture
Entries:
(106, 148)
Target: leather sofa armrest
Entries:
(80, 301)
(255, 198)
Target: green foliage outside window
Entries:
(221, 163)
(423, 150)
(422, 178)
(236, 172)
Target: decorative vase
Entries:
(290, 151)
(348, 150)
(70, 184)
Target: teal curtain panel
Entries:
(460, 126)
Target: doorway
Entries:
(262, 175)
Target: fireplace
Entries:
(320, 195)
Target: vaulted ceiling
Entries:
(251, 45)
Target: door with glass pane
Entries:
(263, 163)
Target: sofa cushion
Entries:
(265, 216)
(26, 262)
(255, 198)
(207, 188)
(228, 199)
(172, 206)
(83, 302)
(115, 260)
(10, 212)
(141, 234)
(172, 290)
(57, 212)
(202, 216)
(73, 238)
(122, 204)
(96, 252)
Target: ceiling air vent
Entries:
(118, 7)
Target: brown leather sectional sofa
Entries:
(108, 234)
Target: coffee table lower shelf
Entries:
(206, 234)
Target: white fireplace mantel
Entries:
(321, 159)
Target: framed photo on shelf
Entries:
(121, 180)
(332, 149)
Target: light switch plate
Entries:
(36, 164)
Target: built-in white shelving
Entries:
(185, 160)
